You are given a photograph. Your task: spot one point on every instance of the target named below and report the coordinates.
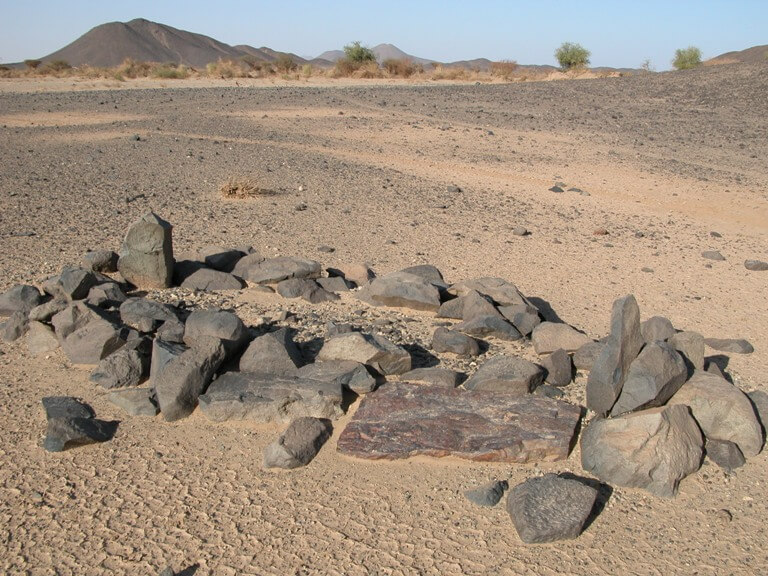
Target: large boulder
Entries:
(272, 353)
(652, 449)
(218, 258)
(19, 298)
(722, 410)
(203, 326)
(351, 375)
(374, 351)
(475, 305)
(126, 367)
(277, 269)
(267, 398)
(145, 315)
(489, 327)
(72, 283)
(146, 257)
(509, 374)
(446, 340)
(402, 289)
(610, 370)
(657, 329)
(550, 336)
(87, 334)
(550, 508)
(654, 376)
(298, 445)
(72, 423)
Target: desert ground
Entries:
(391, 174)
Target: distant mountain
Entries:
(331, 55)
(749, 56)
(382, 52)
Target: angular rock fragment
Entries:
(725, 454)
(549, 336)
(433, 376)
(487, 495)
(359, 274)
(218, 258)
(691, 346)
(722, 411)
(502, 292)
(349, 374)
(317, 294)
(220, 325)
(524, 317)
(610, 370)
(162, 353)
(334, 284)
(128, 366)
(146, 257)
(41, 339)
(732, 345)
(295, 287)
(652, 449)
(72, 423)
(550, 508)
(558, 367)
(654, 376)
(489, 327)
(135, 401)
(375, 351)
(247, 262)
(453, 308)
(145, 315)
(475, 305)
(446, 340)
(71, 284)
(509, 374)
(272, 353)
(281, 268)
(656, 328)
(19, 298)
(86, 334)
(584, 358)
(100, 260)
(401, 420)
(106, 295)
(15, 327)
(401, 289)
(428, 272)
(44, 312)
(260, 398)
(208, 280)
(298, 445)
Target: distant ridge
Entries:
(752, 55)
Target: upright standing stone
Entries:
(146, 258)
(610, 370)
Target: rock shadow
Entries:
(604, 492)
(545, 309)
(189, 571)
(420, 356)
(721, 361)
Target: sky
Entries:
(618, 33)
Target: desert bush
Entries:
(572, 56)
(358, 53)
(307, 70)
(171, 71)
(368, 70)
(131, 68)
(55, 66)
(227, 69)
(687, 58)
(401, 67)
(453, 73)
(32, 64)
(285, 63)
(504, 69)
(254, 63)
(242, 188)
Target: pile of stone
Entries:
(658, 405)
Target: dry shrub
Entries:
(345, 67)
(504, 69)
(170, 71)
(242, 188)
(401, 67)
(452, 73)
(369, 70)
(131, 68)
(227, 69)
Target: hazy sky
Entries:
(619, 33)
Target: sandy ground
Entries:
(666, 159)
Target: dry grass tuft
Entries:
(242, 188)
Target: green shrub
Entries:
(687, 58)
(32, 64)
(56, 66)
(358, 53)
(171, 72)
(572, 56)
(285, 63)
(401, 67)
(503, 68)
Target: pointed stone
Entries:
(272, 353)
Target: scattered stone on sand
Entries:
(260, 398)
(657, 328)
(100, 261)
(487, 495)
(609, 371)
(272, 353)
(146, 257)
(19, 298)
(434, 376)
(732, 345)
(298, 445)
(402, 420)
(725, 454)
(509, 374)
(558, 367)
(549, 336)
(654, 377)
(208, 279)
(135, 401)
(447, 340)
(722, 411)
(351, 375)
(72, 423)
(756, 265)
(713, 255)
(550, 508)
(652, 449)
(374, 351)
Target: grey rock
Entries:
(221, 325)
(41, 339)
(208, 279)
(218, 258)
(146, 257)
(756, 265)
(550, 508)
(318, 294)
(402, 289)
(272, 353)
(295, 287)
(374, 351)
(732, 345)
(725, 454)
(520, 231)
(71, 284)
(722, 411)
(100, 260)
(653, 378)
(489, 327)
(162, 353)
(509, 374)
(359, 274)
(334, 284)
(106, 295)
(72, 423)
(351, 375)
(657, 328)
(759, 400)
(691, 346)
(298, 445)
(476, 305)
(135, 401)
(584, 358)
(559, 368)
(44, 312)
(550, 336)
(15, 327)
(185, 377)
(452, 309)
(712, 255)
(446, 340)
(502, 292)
(524, 317)
(487, 495)
(428, 272)
(145, 315)
(281, 268)
(255, 397)
(171, 331)
(610, 370)
(548, 391)
(87, 334)
(652, 449)
(19, 298)
(433, 376)
(126, 367)
(246, 263)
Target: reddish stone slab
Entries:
(401, 420)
